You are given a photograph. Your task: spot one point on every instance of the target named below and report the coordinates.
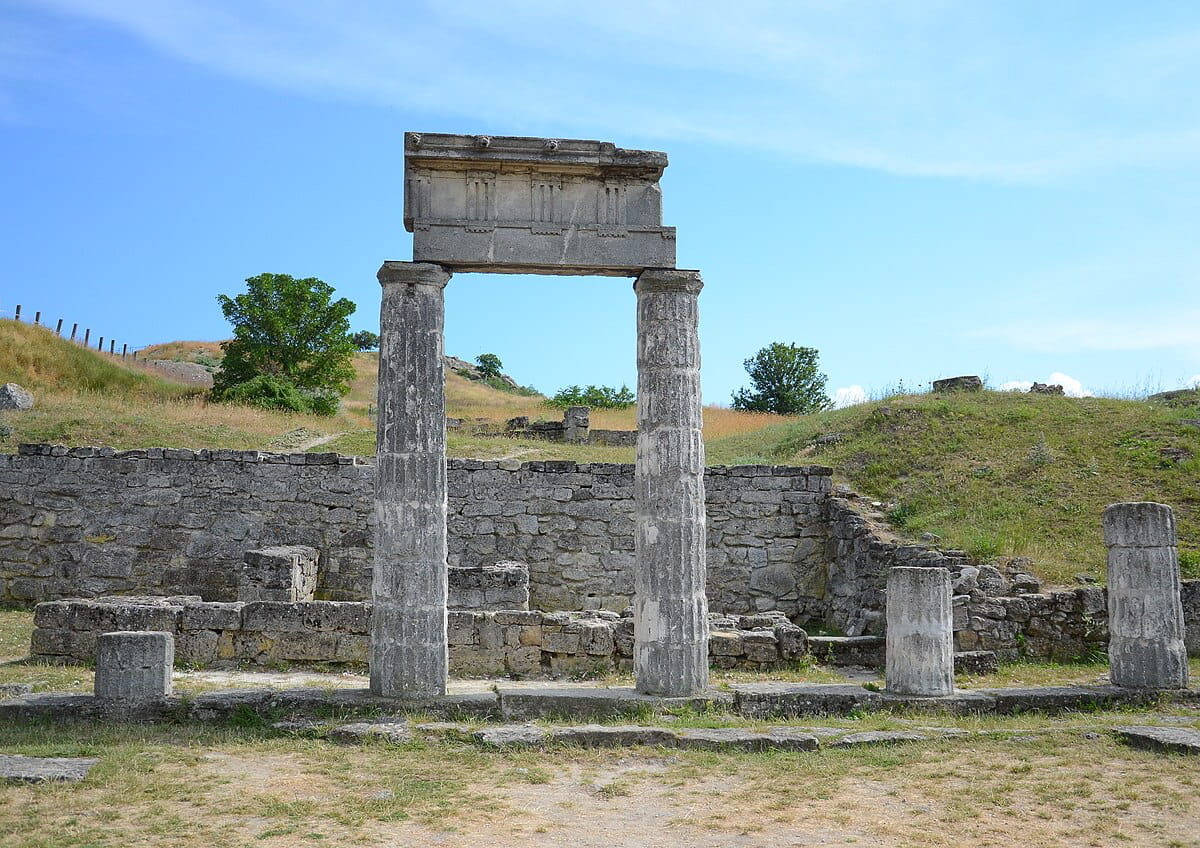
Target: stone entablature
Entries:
(512, 204)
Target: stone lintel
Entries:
(394, 272)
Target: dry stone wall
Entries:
(87, 522)
(490, 643)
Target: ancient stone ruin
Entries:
(422, 567)
(513, 205)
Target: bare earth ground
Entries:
(1026, 780)
(180, 787)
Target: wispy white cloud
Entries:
(1194, 380)
(907, 86)
(849, 396)
(1128, 332)
(1071, 386)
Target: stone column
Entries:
(1145, 615)
(920, 634)
(670, 608)
(408, 589)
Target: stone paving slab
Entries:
(512, 736)
(962, 702)
(738, 739)
(519, 704)
(396, 732)
(16, 768)
(876, 737)
(791, 700)
(1057, 699)
(1177, 740)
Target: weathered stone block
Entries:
(134, 665)
(281, 573)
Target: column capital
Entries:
(413, 273)
(668, 279)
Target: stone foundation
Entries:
(518, 643)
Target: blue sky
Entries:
(917, 188)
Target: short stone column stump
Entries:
(920, 637)
(1145, 616)
(134, 665)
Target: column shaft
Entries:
(1145, 614)
(920, 632)
(670, 607)
(408, 588)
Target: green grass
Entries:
(1004, 474)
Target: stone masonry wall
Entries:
(86, 522)
(1000, 611)
(482, 643)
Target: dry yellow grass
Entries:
(182, 350)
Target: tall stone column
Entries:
(1145, 616)
(670, 653)
(920, 632)
(408, 590)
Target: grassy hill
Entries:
(1005, 474)
(996, 474)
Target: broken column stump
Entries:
(134, 665)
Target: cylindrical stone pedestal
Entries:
(134, 665)
(670, 652)
(1145, 616)
(920, 632)
(408, 590)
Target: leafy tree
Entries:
(289, 330)
(595, 397)
(785, 381)
(489, 365)
(365, 340)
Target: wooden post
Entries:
(124, 350)
(112, 347)
(58, 328)
(135, 354)
(37, 318)
(100, 345)
(87, 337)
(18, 312)
(74, 329)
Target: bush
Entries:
(270, 392)
(594, 397)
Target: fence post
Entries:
(124, 350)
(135, 354)
(58, 328)
(18, 312)
(100, 345)
(112, 347)
(37, 318)
(74, 328)
(87, 337)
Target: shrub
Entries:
(270, 392)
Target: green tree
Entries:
(365, 340)
(291, 331)
(489, 365)
(594, 397)
(785, 380)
